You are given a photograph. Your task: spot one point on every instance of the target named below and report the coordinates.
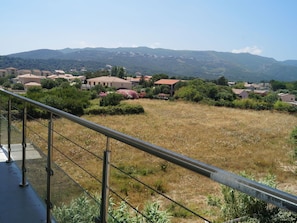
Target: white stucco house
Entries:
(108, 81)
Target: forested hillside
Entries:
(201, 64)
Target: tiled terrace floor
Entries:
(17, 204)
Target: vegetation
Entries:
(120, 109)
(206, 65)
(111, 99)
(231, 139)
(18, 86)
(66, 98)
(70, 99)
(236, 205)
(82, 209)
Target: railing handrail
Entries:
(265, 193)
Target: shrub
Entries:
(18, 86)
(121, 109)
(236, 204)
(79, 210)
(69, 99)
(6, 84)
(111, 99)
(83, 209)
(282, 106)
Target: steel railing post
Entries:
(49, 169)
(9, 131)
(105, 185)
(24, 146)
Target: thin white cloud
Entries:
(248, 49)
(155, 45)
(83, 44)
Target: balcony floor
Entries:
(18, 204)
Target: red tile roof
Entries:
(167, 81)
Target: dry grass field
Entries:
(235, 140)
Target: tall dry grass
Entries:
(235, 140)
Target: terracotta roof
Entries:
(30, 76)
(260, 91)
(167, 81)
(32, 84)
(238, 91)
(108, 79)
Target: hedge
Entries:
(122, 109)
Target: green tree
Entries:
(282, 106)
(222, 81)
(276, 85)
(117, 71)
(76, 83)
(48, 83)
(180, 84)
(165, 89)
(142, 81)
(189, 93)
(6, 84)
(122, 72)
(157, 77)
(239, 85)
(18, 86)
(271, 98)
(68, 98)
(111, 99)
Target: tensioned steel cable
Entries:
(85, 170)
(151, 188)
(68, 139)
(165, 196)
(67, 157)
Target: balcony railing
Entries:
(101, 179)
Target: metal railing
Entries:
(265, 193)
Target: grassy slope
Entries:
(232, 139)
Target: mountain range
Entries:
(201, 64)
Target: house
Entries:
(260, 92)
(32, 84)
(257, 86)
(242, 93)
(27, 78)
(3, 72)
(170, 82)
(59, 72)
(46, 73)
(36, 72)
(286, 97)
(68, 77)
(23, 71)
(108, 81)
(11, 71)
(136, 80)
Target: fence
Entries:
(106, 176)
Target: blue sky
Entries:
(263, 27)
